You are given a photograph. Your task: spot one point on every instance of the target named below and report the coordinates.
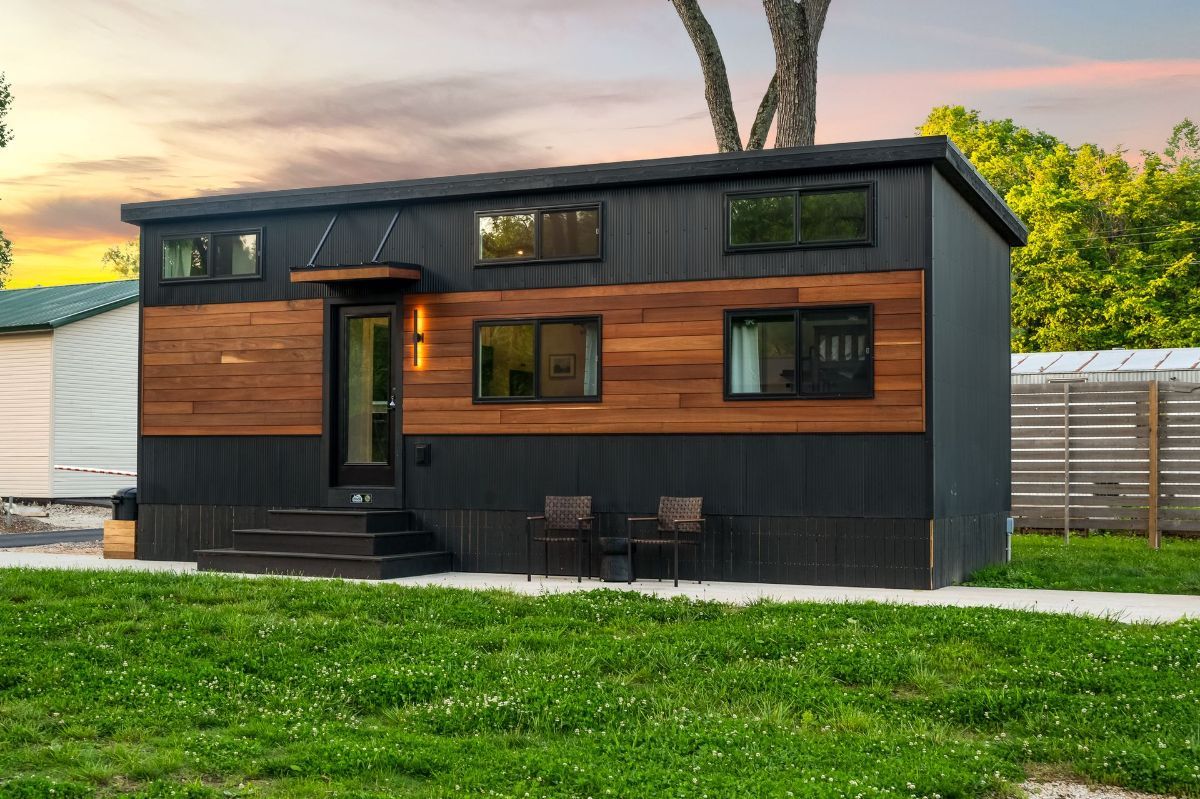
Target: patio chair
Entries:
(680, 523)
(566, 520)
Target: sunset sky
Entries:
(124, 100)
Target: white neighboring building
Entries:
(68, 388)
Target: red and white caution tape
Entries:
(90, 470)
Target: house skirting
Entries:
(867, 552)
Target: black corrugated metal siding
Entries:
(871, 476)
(175, 532)
(969, 410)
(651, 234)
(891, 553)
(969, 337)
(965, 543)
(230, 470)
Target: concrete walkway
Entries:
(1122, 607)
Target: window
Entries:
(548, 234)
(212, 255)
(799, 218)
(833, 216)
(769, 219)
(799, 352)
(537, 359)
(506, 236)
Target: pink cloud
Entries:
(1091, 74)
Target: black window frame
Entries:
(208, 277)
(797, 312)
(797, 243)
(537, 212)
(537, 322)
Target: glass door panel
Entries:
(368, 401)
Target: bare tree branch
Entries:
(764, 117)
(796, 27)
(716, 81)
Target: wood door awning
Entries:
(377, 271)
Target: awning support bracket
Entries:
(386, 235)
(313, 260)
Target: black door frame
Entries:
(354, 495)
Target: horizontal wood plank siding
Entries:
(251, 368)
(662, 351)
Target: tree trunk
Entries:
(764, 117)
(796, 27)
(716, 81)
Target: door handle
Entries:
(392, 401)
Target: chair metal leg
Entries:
(578, 562)
(660, 563)
(528, 552)
(546, 557)
(676, 574)
(629, 549)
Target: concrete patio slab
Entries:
(1130, 608)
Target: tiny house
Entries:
(814, 340)
(68, 389)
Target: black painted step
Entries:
(325, 543)
(340, 521)
(385, 567)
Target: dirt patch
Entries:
(1075, 790)
(23, 524)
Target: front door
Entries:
(365, 412)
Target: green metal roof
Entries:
(55, 306)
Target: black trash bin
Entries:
(125, 505)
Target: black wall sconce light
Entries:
(417, 337)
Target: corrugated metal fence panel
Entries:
(650, 234)
(1102, 459)
(1169, 375)
(875, 476)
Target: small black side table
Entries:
(614, 559)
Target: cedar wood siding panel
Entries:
(233, 369)
(650, 233)
(662, 359)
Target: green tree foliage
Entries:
(122, 259)
(5, 137)
(1114, 247)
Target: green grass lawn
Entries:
(161, 685)
(1098, 563)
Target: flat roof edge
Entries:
(889, 152)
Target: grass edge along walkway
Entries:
(155, 685)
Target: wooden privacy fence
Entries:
(1107, 456)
